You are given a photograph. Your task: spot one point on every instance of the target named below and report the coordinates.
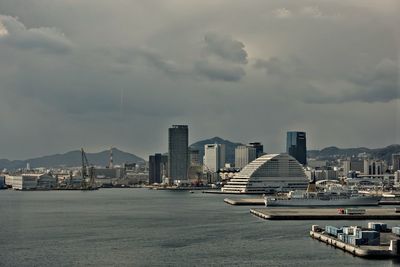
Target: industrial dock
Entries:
(376, 241)
(260, 201)
(323, 214)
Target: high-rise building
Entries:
(296, 146)
(259, 148)
(356, 165)
(178, 152)
(345, 166)
(157, 163)
(396, 162)
(214, 157)
(351, 165)
(244, 155)
(194, 156)
(373, 167)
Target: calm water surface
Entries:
(140, 227)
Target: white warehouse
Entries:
(268, 173)
(31, 181)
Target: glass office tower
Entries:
(178, 152)
(296, 146)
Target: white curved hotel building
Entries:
(270, 172)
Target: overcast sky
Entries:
(100, 73)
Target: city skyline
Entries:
(104, 148)
(199, 133)
(326, 68)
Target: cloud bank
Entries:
(73, 75)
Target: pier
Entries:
(389, 202)
(245, 201)
(260, 201)
(381, 251)
(322, 214)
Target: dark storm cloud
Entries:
(156, 60)
(225, 47)
(71, 74)
(223, 60)
(219, 71)
(272, 66)
(15, 34)
(378, 84)
(227, 66)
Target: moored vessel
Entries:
(322, 199)
(334, 196)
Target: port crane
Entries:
(87, 173)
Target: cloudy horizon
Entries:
(119, 73)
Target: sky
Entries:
(100, 73)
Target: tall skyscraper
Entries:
(296, 146)
(244, 155)
(214, 157)
(396, 162)
(259, 148)
(157, 163)
(178, 152)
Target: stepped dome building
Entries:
(268, 173)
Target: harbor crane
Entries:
(87, 173)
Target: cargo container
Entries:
(359, 241)
(372, 237)
(377, 226)
(331, 230)
(348, 230)
(340, 236)
(396, 230)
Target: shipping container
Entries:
(377, 226)
(340, 236)
(396, 230)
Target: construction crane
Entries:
(87, 172)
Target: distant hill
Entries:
(328, 153)
(72, 159)
(335, 152)
(229, 147)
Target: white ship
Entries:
(322, 199)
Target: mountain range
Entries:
(329, 153)
(72, 159)
(333, 152)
